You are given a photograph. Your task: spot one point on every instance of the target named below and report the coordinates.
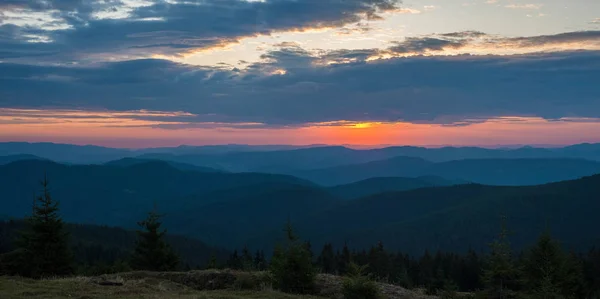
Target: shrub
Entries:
(359, 286)
(256, 281)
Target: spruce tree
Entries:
(212, 262)
(327, 259)
(247, 261)
(343, 260)
(234, 262)
(151, 250)
(291, 266)
(501, 276)
(42, 248)
(260, 261)
(550, 273)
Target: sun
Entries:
(362, 125)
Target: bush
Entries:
(359, 286)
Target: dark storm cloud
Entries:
(447, 90)
(170, 28)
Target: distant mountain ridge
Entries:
(514, 172)
(19, 157)
(273, 157)
(387, 184)
(127, 162)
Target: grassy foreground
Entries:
(84, 288)
(182, 285)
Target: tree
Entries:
(592, 273)
(343, 260)
(151, 250)
(327, 259)
(379, 262)
(426, 271)
(549, 272)
(291, 265)
(357, 285)
(42, 248)
(501, 275)
(212, 263)
(470, 272)
(247, 261)
(259, 260)
(234, 262)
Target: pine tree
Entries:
(426, 271)
(344, 259)
(212, 263)
(327, 259)
(259, 260)
(549, 271)
(247, 261)
(379, 262)
(151, 250)
(42, 248)
(291, 266)
(470, 272)
(592, 273)
(501, 275)
(234, 262)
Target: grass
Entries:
(208, 284)
(151, 288)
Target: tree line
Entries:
(543, 271)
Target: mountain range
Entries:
(263, 157)
(516, 172)
(231, 210)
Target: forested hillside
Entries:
(230, 210)
(515, 172)
(95, 248)
(116, 195)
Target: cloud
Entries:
(107, 118)
(418, 45)
(524, 6)
(596, 21)
(169, 27)
(407, 10)
(478, 43)
(419, 89)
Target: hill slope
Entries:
(463, 217)
(127, 162)
(385, 184)
(516, 172)
(114, 195)
(92, 244)
(68, 153)
(13, 158)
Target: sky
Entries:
(146, 73)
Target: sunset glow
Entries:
(133, 129)
(137, 73)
